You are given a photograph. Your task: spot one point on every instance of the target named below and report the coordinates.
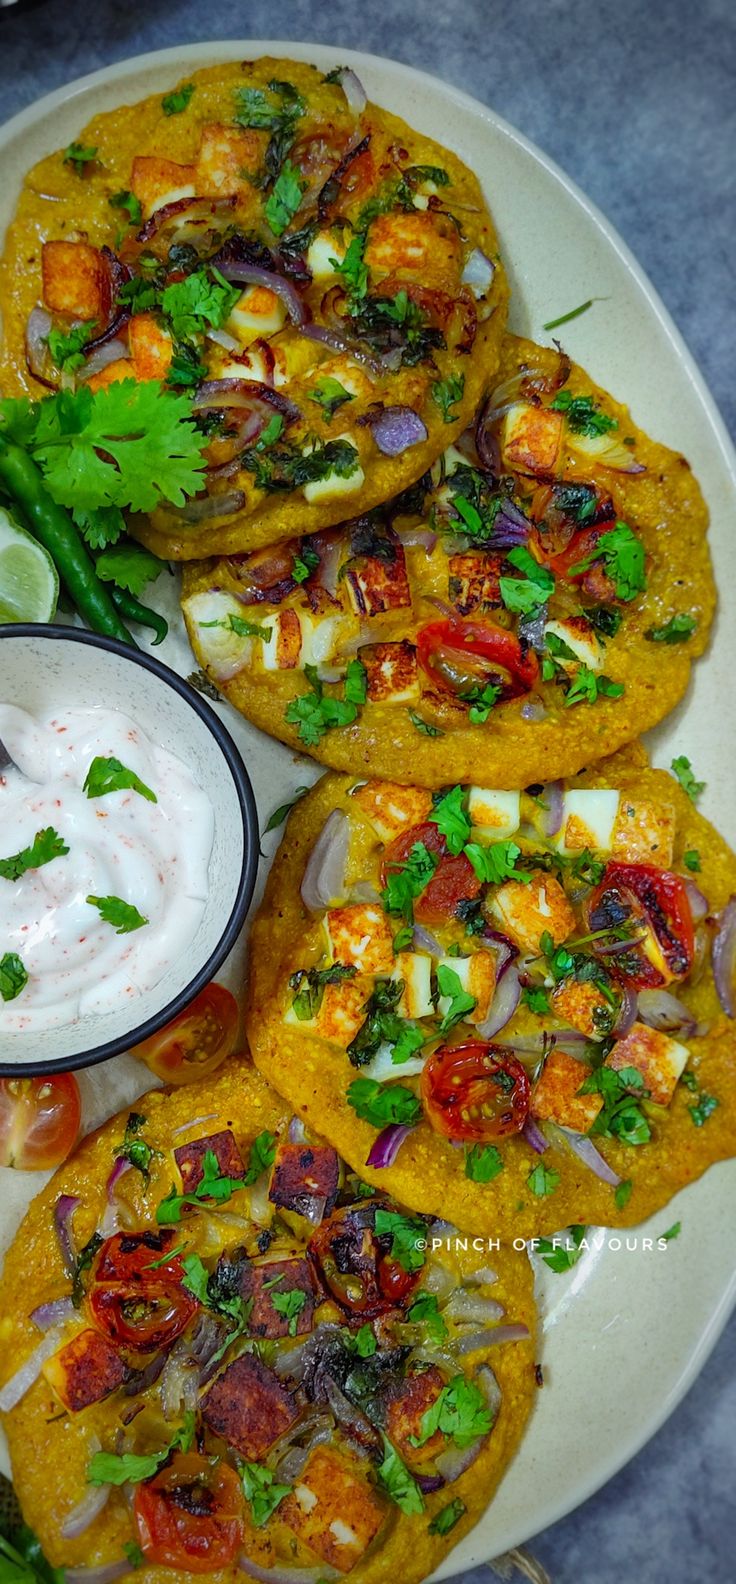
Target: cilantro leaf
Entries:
(134, 1148)
(241, 626)
(304, 564)
(364, 1341)
(210, 1186)
(672, 1232)
(623, 1194)
(447, 1517)
(186, 367)
(100, 527)
(127, 201)
(623, 560)
(202, 299)
(451, 989)
(405, 882)
(261, 1157)
(381, 1023)
(289, 1305)
(447, 393)
(47, 845)
(174, 103)
(691, 860)
(261, 1491)
(109, 775)
(536, 588)
(284, 809)
(315, 713)
(583, 414)
(78, 156)
(123, 916)
(352, 269)
(558, 1254)
(677, 630)
(542, 1180)
(380, 1103)
(66, 348)
(425, 1311)
(683, 769)
(112, 1468)
(13, 976)
(284, 200)
(408, 1237)
(150, 448)
(574, 313)
(535, 997)
(309, 984)
(497, 862)
(621, 1116)
(483, 1162)
(451, 818)
(587, 686)
(482, 701)
(705, 1106)
(460, 1411)
(397, 1482)
(355, 686)
(132, 1551)
(423, 726)
(330, 395)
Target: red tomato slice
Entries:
(195, 1042)
(356, 1267)
(654, 904)
(463, 655)
(453, 881)
(39, 1120)
(135, 1305)
(475, 1091)
(190, 1515)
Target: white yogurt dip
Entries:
(149, 856)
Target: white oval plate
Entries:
(626, 1333)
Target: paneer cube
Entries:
(190, 1158)
(644, 832)
(282, 651)
(581, 638)
(303, 1173)
(323, 249)
(360, 936)
(588, 819)
(256, 363)
(392, 672)
(413, 241)
(151, 347)
(477, 975)
(332, 1509)
(260, 1282)
(660, 1060)
(408, 1400)
(227, 156)
(526, 912)
(257, 312)
(473, 581)
(583, 1007)
(122, 368)
(415, 968)
(248, 1407)
(376, 584)
(341, 1013)
(392, 808)
(75, 281)
(336, 483)
(85, 1370)
(494, 815)
(531, 438)
(223, 649)
(156, 182)
(555, 1096)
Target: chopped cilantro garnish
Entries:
(622, 1194)
(67, 348)
(380, 1104)
(397, 1482)
(623, 560)
(284, 809)
(47, 845)
(527, 594)
(677, 630)
(285, 198)
(425, 1311)
(127, 201)
(542, 1180)
(583, 414)
(460, 1411)
(483, 1162)
(122, 916)
(174, 103)
(289, 1305)
(447, 1517)
(13, 976)
(405, 882)
(352, 269)
(315, 713)
(309, 985)
(621, 1116)
(382, 1024)
(683, 769)
(261, 1490)
(536, 998)
(241, 626)
(703, 1109)
(330, 395)
(482, 701)
(671, 1233)
(129, 1468)
(691, 860)
(210, 1186)
(559, 1255)
(261, 1157)
(110, 775)
(447, 393)
(423, 726)
(134, 1148)
(451, 818)
(304, 564)
(460, 1000)
(497, 862)
(79, 157)
(587, 686)
(201, 300)
(408, 1237)
(574, 313)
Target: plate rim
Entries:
(178, 57)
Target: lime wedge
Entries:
(29, 582)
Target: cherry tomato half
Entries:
(453, 881)
(137, 1301)
(196, 1041)
(190, 1515)
(475, 1091)
(653, 904)
(39, 1120)
(357, 1267)
(465, 655)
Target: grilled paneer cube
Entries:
(477, 975)
(473, 582)
(644, 832)
(379, 583)
(263, 1282)
(588, 819)
(415, 971)
(408, 1400)
(391, 672)
(526, 912)
(156, 181)
(555, 1096)
(415, 241)
(248, 1407)
(303, 1173)
(530, 438)
(584, 1007)
(75, 281)
(660, 1060)
(190, 1158)
(151, 347)
(85, 1370)
(360, 936)
(494, 814)
(227, 157)
(583, 641)
(341, 1013)
(332, 1509)
(391, 808)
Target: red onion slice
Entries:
(199, 210)
(186, 1127)
(504, 1004)
(552, 797)
(724, 958)
(340, 343)
(419, 538)
(284, 1575)
(586, 1151)
(38, 325)
(237, 392)
(534, 1136)
(395, 429)
(64, 1209)
(511, 528)
(386, 1147)
(661, 1010)
(353, 89)
(251, 275)
(533, 710)
(626, 1013)
(324, 875)
(105, 354)
(429, 1482)
(426, 942)
(24, 1378)
(479, 271)
(57, 1312)
(698, 901)
(472, 1308)
(297, 1133)
(495, 1336)
(106, 1573)
(77, 1521)
(207, 506)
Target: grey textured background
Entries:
(637, 103)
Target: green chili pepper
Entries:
(55, 530)
(130, 607)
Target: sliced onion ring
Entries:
(57, 1312)
(495, 1336)
(206, 506)
(324, 875)
(353, 89)
(103, 355)
(77, 1521)
(724, 958)
(661, 1010)
(252, 275)
(534, 1136)
(38, 325)
(504, 1004)
(340, 343)
(479, 271)
(284, 1575)
(586, 1151)
(64, 1209)
(626, 1013)
(552, 796)
(386, 1147)
(698, 901)
(24, 1378)
(106, 1573)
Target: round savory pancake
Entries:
(322, 279)
(515, 1009)
(536, 601)
(249, 1359)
